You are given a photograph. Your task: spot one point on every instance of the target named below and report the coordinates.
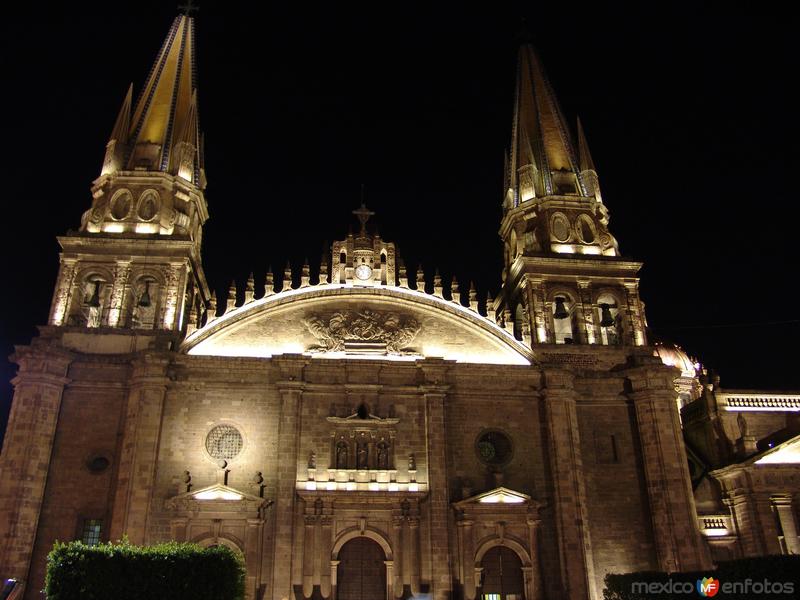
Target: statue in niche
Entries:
(362, 456)
(383, 455)
(312, 460)
(341, 455)
(412, 463)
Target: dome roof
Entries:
(674, 356)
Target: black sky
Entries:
(687, 112)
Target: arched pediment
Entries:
(339, 321)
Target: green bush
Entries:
(122, 571)
(740, 574)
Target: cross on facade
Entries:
(363, 215)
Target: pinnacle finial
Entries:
(250, 289)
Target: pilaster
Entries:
(59, 308)
(138, 458)
(672, 510)
(435, 392)
(25, 461)
(783, 506)
(119, 286)
(290, 388)
(569, 491)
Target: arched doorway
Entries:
(361, 574)
(502, 575)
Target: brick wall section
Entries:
(617, 502)
(569, 494)
(27, 449)
(672, 510)
(88, 426)
(139, 452)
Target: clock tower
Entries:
(363, 259)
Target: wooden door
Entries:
(361, 573)
(502, 575)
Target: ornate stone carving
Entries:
(363, 330)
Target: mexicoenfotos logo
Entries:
(707, 587)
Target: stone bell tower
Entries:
(564, 281)
(135, 263)
(363, 259)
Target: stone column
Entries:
(174, 287)
(324, 554)
(569, 492)
(436, 438)
(117, 298)
(467, 558)
(535, 588)
(783, 506)
(291, 390)
(672, 510)
(586, 312)
(400, 571)
(28, 444)
(389, 578)
(414, 549)
(534, 288)
(59, 308)
(252, 552)
(308, 555)
(334, 570)
(635, 320)
(136, 474)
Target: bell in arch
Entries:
(94, 301)
(144, 300)
(606, 319)
(561, 309)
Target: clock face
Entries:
(363, 272)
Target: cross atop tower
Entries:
(363, 215)
(188, 8)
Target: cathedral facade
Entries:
(369, 433)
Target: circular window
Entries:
(121, 206)
(98, 464)
(560, 227)
(494, 448)
(224, 442)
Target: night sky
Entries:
(687, 113)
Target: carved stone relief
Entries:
(362, 330)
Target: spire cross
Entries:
(363, 215)
(188, 8)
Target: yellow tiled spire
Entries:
(164, 120)
(542, 156)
